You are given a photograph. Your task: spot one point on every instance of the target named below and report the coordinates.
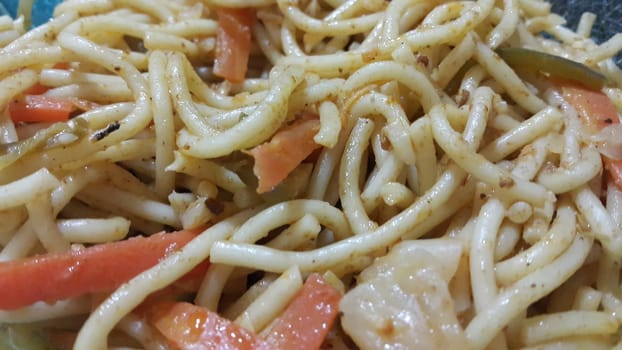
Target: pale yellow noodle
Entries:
(531, 287)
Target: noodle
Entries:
(443, 193)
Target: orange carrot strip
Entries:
(233, 43)
(40, 108)
(99, 268)
(191, 327)
(307, 319)
(597, 111)
(274, 160)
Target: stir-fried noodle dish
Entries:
(309, 174)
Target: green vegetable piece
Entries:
(21, 337)
(11, 152)
(555, 66)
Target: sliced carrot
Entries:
(100, 268)
(62, 65)
(594, 106)
(274, 160)
(233, 43)
(597, 111)
(191, 327)
(307, 319)
(303, 325)
(36, 89)
(40, 108)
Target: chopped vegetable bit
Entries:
(274, 160)
(100, 268)
(307, 319)
(21, 337)
(40, 108)
(403, 299)
(598, 112)
(593, 106)
(11, 152)
(555, 66)
(233, 43)
(36, 89)
(303, 325)
(187, 326)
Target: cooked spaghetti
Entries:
(282, 174)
